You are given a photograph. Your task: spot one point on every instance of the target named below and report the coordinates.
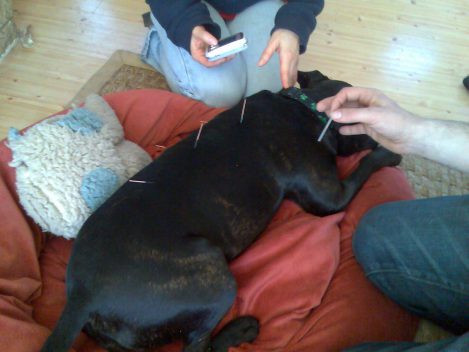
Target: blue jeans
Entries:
(226, 84)
(417, 253)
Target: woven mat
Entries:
(131, 77)
(431, 179)
(124, 71)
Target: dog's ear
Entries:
(310, 79)
(318, 86)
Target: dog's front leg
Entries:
(375, 160)
(321, 192)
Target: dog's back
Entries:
(226, 189)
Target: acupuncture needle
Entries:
(242, 111)
(325, 129)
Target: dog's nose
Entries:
(465, 81)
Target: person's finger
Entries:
(354, 115)
(362, 96)
(209, 38)
(293, 76)
(229, 58)
(288, 69)
(292, 70)
(267, 54)
(199, 57)
(219, 61)
(352, 129)
(325, 104)
(202, 34)
(289, 77)
(284, 71)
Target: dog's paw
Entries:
(385, 157)
(236, 332)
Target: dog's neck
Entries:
(298, 95)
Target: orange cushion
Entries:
(299, 278)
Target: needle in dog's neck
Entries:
(324, 129)
(242, 111)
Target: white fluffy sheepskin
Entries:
(55, 167)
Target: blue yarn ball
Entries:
(82, 121)
(97, 186)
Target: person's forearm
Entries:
(444, 141)
(178, 18)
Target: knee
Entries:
(221, 93)
(225, 86)
(213, 90)
(376, 238)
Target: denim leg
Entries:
(454, 344)
(417, 253)
(256, 22)
(221, 86)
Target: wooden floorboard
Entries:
(416, 51)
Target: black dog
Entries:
(150, 265)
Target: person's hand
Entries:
(373, 114)
(201, 39)
(287, 45)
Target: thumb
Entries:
(202, 34)
(208, 38)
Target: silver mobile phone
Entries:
(226, 47)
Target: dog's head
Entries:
(317, 87)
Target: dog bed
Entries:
(300, 278)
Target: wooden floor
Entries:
(417, 51)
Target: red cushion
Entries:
(299, 278)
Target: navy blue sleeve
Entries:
(179, 17)
(299, 16)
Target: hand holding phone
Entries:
(226, 47)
